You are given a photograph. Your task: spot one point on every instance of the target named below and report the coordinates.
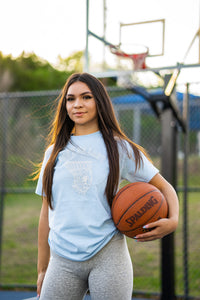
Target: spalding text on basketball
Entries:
(137, 215)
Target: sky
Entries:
(50, 28)
(46, 27)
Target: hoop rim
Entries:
(137, 58)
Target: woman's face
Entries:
(81, 108)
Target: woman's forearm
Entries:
(43, 232)
(171, 197)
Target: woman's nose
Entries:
(78, 102)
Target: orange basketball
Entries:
(136, 205)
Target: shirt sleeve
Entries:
(47, 154)
(144, 173)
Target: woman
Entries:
(79, 247)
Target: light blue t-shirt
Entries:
(80, 222)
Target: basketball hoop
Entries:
(137, 58)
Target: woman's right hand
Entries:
(40, 282)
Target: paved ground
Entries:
(10, 295)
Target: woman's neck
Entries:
(81, 130)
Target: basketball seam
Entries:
(123, 189)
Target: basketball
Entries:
(136, 205)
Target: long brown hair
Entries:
(62, 128)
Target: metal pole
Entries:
(136, 125)
(86, 67)
(185, 210)
(199, 45)
(199, 32)
(169, 171)
(3, 170)
(104, 32)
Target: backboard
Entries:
(150, 33)
(166, 27)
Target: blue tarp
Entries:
(194, 122)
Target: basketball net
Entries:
(137, 58)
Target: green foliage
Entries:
(72, 63)
(28, 72)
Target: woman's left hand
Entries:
(163, 226)
(158, 230)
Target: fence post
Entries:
(185, 198)
(3, 169)
(169, 160)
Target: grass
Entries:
(19, 251)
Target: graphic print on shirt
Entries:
(82, 175)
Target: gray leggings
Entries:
(108, 275)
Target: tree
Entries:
(73, 63)
(28, 72)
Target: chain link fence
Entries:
(24, 124)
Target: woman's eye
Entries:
(87, 97)
(69, 98)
